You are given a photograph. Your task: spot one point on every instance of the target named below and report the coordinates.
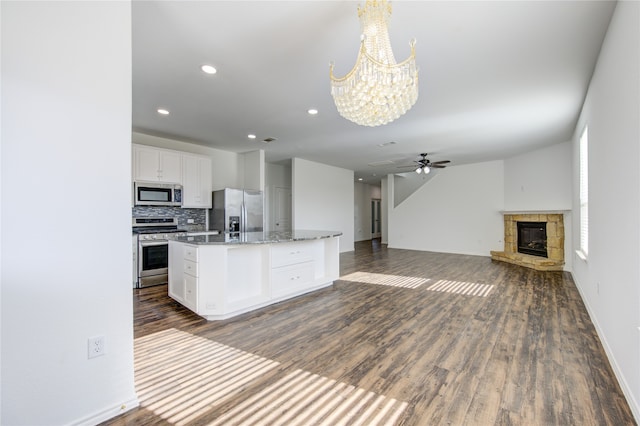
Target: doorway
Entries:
(376, 223)
(282, 209)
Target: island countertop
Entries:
(265, 237)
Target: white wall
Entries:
(322, 198)
(458, 211)
(66, 171)
(385, 205)
(226, 167)
(609, 280)
(405, 184)
(363, 194)
(253, 170)
(539, 180)
(277, 176)
(542, 180)
(362, 211)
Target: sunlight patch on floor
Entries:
(181, 377)
(302, 398)
(385, 279)
(460, 287)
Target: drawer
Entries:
(191, 253)
(191, 292)
(290, 254)
(191, 268)
(290, 279)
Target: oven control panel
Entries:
(147, 237)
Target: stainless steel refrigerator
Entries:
(236, 210)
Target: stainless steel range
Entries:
(152, 255)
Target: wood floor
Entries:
(404, 337)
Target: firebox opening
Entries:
(532, 238)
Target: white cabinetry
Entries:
(196, 181)
(164, 165)
(219, 281)
(183, 274)
(156, 165)
(292, 267)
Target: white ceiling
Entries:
(496, 78)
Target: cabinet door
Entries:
(146, 164)
(292, 279)
(156, 165)
(191, 292)
(176, 272)
(196, 181)
(290, 254)
(205, 182)
(170, 167)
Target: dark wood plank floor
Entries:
(525, 354)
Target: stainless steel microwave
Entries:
(157, 194)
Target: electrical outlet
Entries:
(96, 346)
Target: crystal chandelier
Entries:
(377, 90)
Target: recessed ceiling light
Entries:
(251, 136)
(312, 111)
(360, 179)
(208, 69)
(163, 111)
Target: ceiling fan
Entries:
(424, 165)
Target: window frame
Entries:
(584, 192)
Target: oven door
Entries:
(153, 263)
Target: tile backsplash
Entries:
(198, 215)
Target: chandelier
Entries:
(377, 90)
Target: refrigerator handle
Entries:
(243, 218)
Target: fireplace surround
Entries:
(554, 229)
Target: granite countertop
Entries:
(256, 237)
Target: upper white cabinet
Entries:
(156, 165)
(193, 171)
(196, 181)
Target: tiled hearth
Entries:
(555, 241)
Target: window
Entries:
(584, 192)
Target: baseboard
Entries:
(106, 414)
(626, 389)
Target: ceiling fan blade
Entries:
(441, 162)
(436, 166)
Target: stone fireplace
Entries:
(534, 240)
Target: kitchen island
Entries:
(224, 275)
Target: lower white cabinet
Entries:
(190, 291)
(219, 281)
(292, 279)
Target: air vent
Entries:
(268, 140)
(381, 163)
